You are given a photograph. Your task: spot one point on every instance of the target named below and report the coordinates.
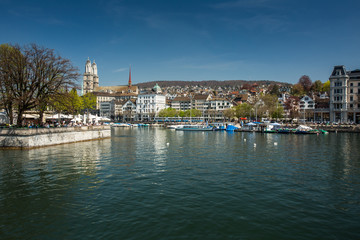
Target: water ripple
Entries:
(199, 186)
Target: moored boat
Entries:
(285, 130)
(195, 128)
(174, 126)
(231, 128)
(120, 125)
(270, 131)
(322, 131)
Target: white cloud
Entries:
(120, 69)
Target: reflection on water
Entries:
(148, 183)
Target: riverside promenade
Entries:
(26, 138)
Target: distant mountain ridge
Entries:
(209, 83)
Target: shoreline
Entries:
(12, 138)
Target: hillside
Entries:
(208, 83)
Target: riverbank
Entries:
(19, 138)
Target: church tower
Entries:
(91, 78)
(129, 84)
(96, 77)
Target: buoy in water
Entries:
(275, 143)
(167, 144)
(254, 145)
(244, 139)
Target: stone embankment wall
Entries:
(40, 137)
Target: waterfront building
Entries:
(344, 95)
(128, 110)
(106, 109)
(215, 107)
(322, 109)
(148, 105)
(107, 96)
(306, 106)
(90, 77)
(109, 93)
(307, 103)
(181, 103)
(199, 101)
(218, 104)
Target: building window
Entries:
(351, 98)
(351, 106)
(351, 84)
(351, 90)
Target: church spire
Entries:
(129, 85)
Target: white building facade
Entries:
(344, 95)
(149, 105)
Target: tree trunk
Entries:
(9, 112)
(41, 116)
(20, 119)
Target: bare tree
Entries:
(7, 56)
(291, 106)
(33, 75)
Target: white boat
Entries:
(175, 126)
(195, 128)
(120, 125)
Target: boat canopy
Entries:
(303, 128)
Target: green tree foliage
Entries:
(243, 110)
(194, 113)
(60, 102)
(297, 90)
(75, 104)
(168, 112)
(88, 101)
(269, 105)
(317, 86)
(278, 112)
(229, 113)
(274, 90)
(326, 87)
(181, 114)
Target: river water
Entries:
(163, 184)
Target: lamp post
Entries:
(256, 112)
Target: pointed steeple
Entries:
(129, 85)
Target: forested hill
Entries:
(209, 83)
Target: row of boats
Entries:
(129, 125)
(270, 128)
(302, 129)
(208, 127)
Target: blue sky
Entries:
(277, 40)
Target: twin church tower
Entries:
(91, 81)
(91, 78)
